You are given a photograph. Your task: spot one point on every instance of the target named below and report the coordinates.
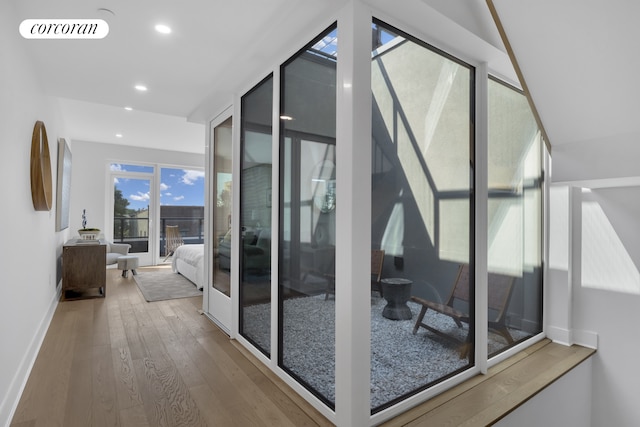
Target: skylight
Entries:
(328, 45)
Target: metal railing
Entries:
(135, 231)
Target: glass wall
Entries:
(255, 215)
(514, 220)
(422, 215)
(221, 197)
(307, 216)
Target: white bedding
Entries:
(188, 260)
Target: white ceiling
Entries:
(580, 61)
(578, 58)
(215, 48)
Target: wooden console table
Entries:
(84, 273)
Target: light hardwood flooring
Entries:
(121, 361)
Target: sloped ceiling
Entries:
(580, 60)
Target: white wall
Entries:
(545, 409)
(31, 245)
(601, 150)
(29, 240)
(605, 289)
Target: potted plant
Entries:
(87, 233)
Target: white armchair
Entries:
(116, 250)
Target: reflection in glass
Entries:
(255, 216)
(515, 215)
(307, 216)
(421, 210)
(221, 189)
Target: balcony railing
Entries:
(135, 231)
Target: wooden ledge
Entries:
(480, 401)
(485, 399)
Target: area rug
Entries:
(400, 361)
(163, 285)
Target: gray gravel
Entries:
(400, 362)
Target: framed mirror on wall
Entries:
(63, 189)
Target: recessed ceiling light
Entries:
(128, 108)
(118, 135)
(163, 29)
(141, 88)
(104, 10)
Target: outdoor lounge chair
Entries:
(499, 289)
(173, 240)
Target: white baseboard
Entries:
(570, 337)
(10, 402)
(586, 338)
(559, 335)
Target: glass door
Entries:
(133, 206)
(219, 289)
(181, 205)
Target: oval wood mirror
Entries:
(41, 187)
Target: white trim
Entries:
(585, 338)
(208, 220)
(236, 244)
(275, 216)
(149, 257)
(559, 335)
(423, 396)
(422, 21)
(481, 202)
(224, 318)
(353, 217)
(288, 380)
(10, 402)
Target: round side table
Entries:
(397, 292)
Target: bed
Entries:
(188, 260)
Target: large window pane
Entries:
(255, 216)
(515, 218)
(181, 205)
(307, 216)
(422, 215)
(131, 202)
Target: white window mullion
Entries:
(275, 223)
(353, 217)
(481, 215)
(236, 173)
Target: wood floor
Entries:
(121, 361)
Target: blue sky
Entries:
(178, 187)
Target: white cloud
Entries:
(115, 167)
(178, 198)
(168, 194)
(140, 197)
(164, 186)
(189, 176)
